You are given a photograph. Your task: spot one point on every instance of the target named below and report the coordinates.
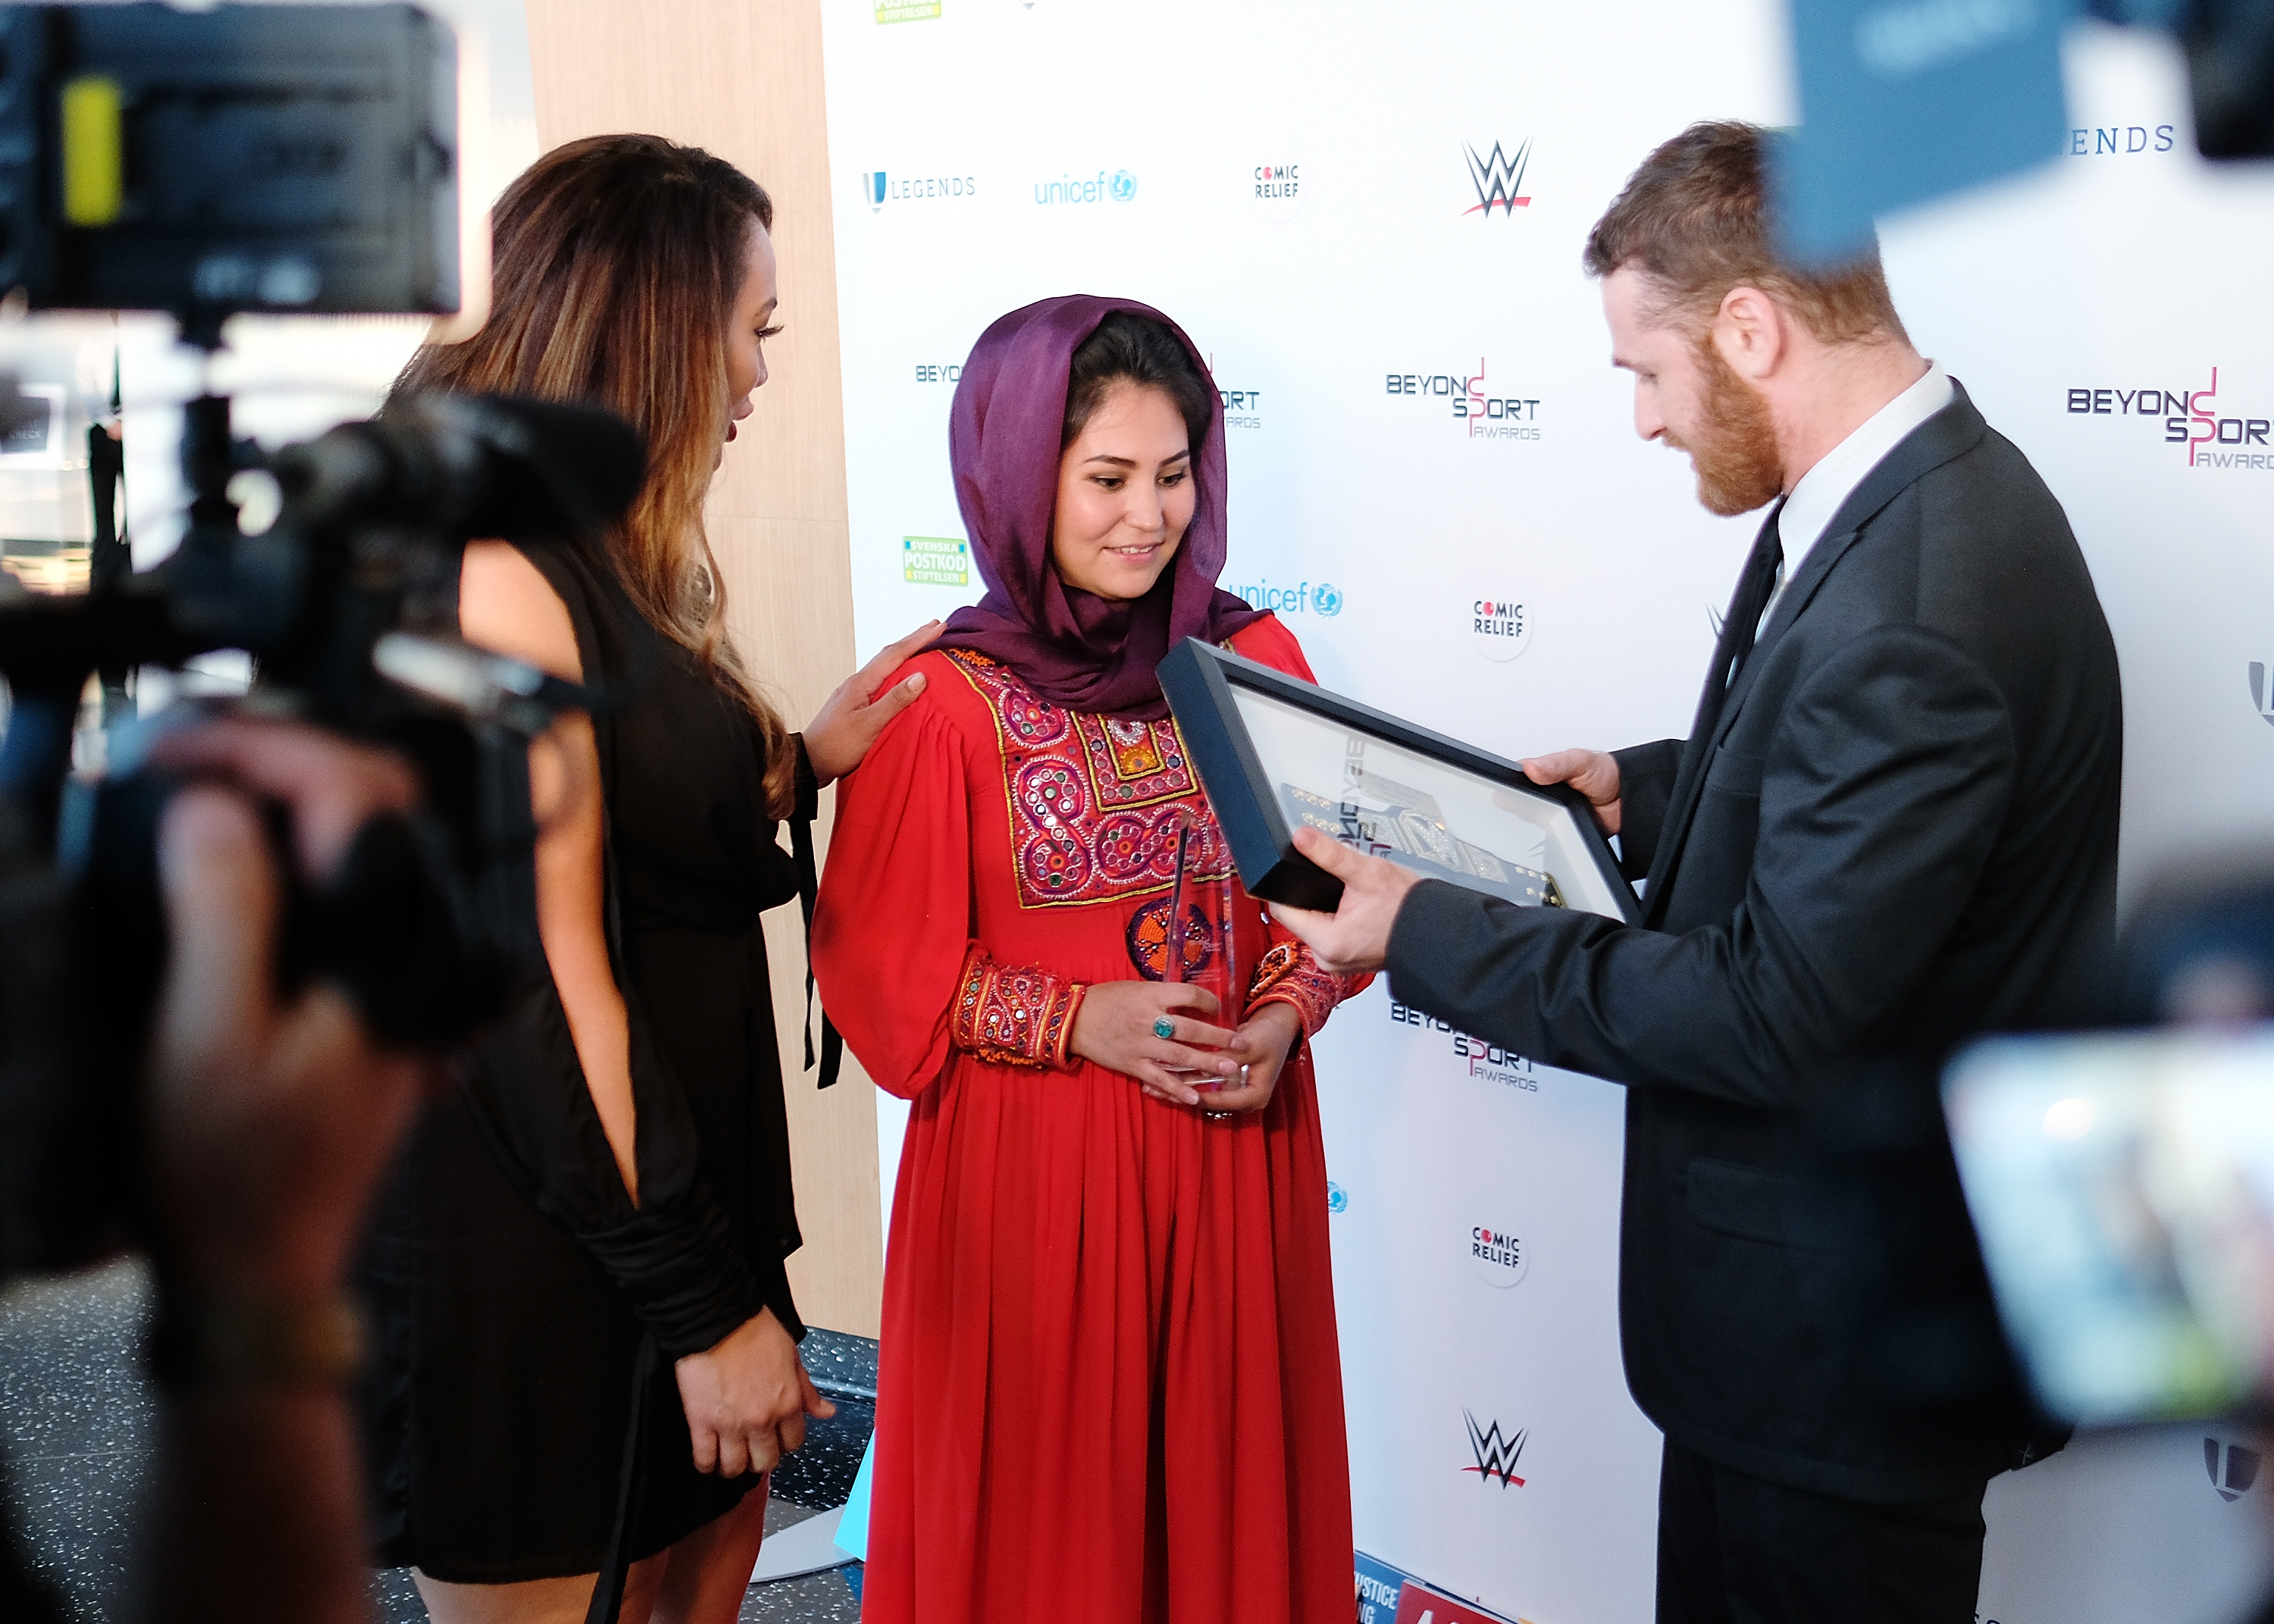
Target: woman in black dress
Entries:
(587, 1344)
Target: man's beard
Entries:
(1739, 467)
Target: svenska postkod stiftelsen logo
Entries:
(1498, 179)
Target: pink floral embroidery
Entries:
(1095, 801)
(1021, 1016)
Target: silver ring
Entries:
(1164, 1027)
(1219, 1115)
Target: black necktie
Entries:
(1755, 587)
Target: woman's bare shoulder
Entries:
(506, 605)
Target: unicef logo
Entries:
(1125, 186)
(1327, 599)
(1337, 1198)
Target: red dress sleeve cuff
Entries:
(1289, 975)
(1021, 1016)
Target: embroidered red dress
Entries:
(1109, 1388)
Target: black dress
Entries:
(512, 1282)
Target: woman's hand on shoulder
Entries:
(850, 718)
(1119, 1026)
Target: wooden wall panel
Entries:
(743, 77)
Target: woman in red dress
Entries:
(1109, 1385)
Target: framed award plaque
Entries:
(1276, 754)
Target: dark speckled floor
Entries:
(75, 1419)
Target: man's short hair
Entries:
(1695, 219)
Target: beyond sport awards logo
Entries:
(2215, 431)
(1486, 1062)
(1471, 400)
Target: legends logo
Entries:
(2261, 692)
(1482, 414)
(2119, 141)
(1478, 1057)
(1243, 408)
(2191, 417)
(878, 188)
(1499, 180)
(940, 372)
(1496, 1456)
(2241, 1471)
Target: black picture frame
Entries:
(1204, 685)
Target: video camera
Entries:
(262, 158)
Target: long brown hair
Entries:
(615, 265)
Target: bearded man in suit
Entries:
(1892, 824)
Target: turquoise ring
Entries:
(1164, 1027)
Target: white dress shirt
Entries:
(1834, 479)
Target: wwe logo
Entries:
(1497, 177)
(1496, 1455)
(872, 191)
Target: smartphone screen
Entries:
(2123, 1187)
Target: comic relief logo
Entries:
(1499, 1254)
(2241, 1467)
(2196, 418)
(1478, 1058)
(1472, 402)
(1118, 187)
(1323, 598)
(1499, 180)
(1499, 627)
(878, 188)
(1496, 1453)
(1278, 190)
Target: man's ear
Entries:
(1750, 330)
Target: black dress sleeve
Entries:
(674, 1256)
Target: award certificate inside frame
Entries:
(1276, 754)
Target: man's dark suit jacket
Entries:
(1902, 830)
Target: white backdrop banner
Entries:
(1371, 220)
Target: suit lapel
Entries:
(1952, 432)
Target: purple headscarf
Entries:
(1072, 648)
